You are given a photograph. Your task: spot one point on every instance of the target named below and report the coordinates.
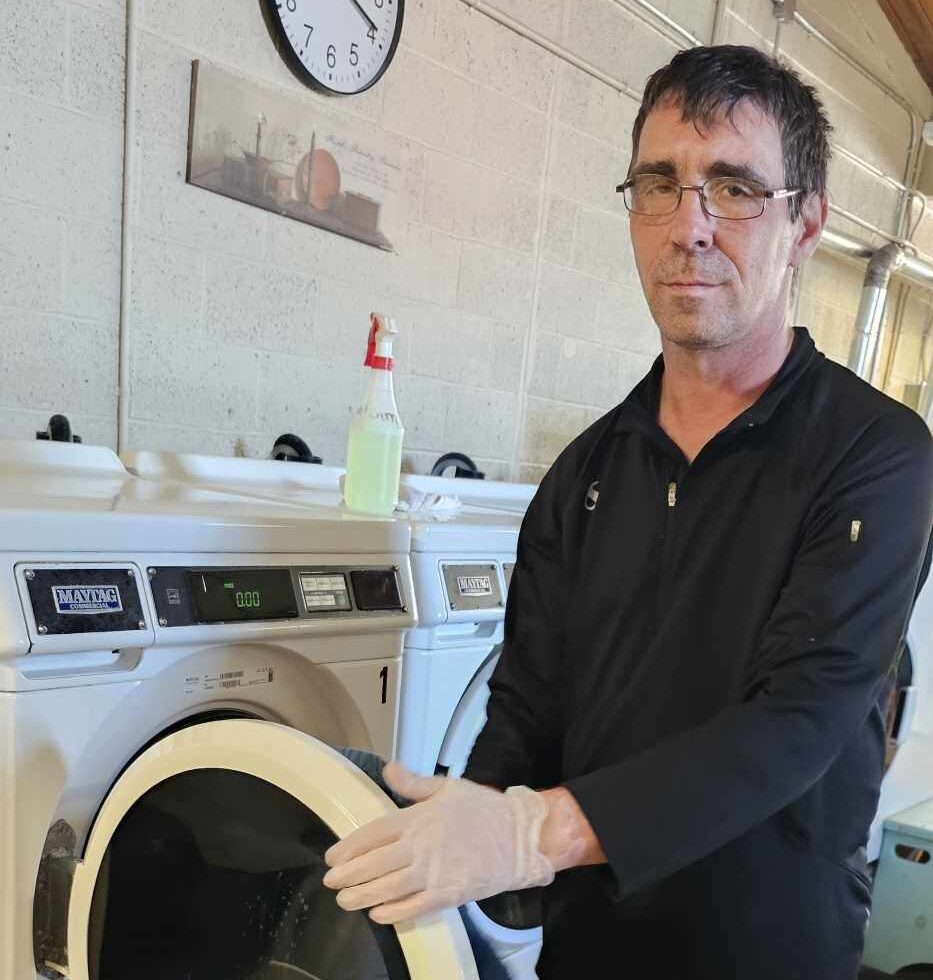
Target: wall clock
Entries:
(340, 47)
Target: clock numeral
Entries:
(334, 58)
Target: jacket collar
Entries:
(639, 411)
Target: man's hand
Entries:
(460, 842)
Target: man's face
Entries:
(712, 281)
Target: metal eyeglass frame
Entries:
(764, 194)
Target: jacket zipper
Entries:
(673, 487)
(667, 534)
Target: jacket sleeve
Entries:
(824, 655)
(520, 743)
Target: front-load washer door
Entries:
(510, 922)
(205, 863)
(468, 718)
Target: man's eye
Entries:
(658, 188)
(736, 189)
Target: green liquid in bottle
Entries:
(374, 461)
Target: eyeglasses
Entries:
(734, 198)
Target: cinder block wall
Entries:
(513, 279)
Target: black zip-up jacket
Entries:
(701, 654)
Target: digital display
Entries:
(233, 595)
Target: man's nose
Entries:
(691, 227)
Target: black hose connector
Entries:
(293, 449)
(59, 430)
(464, 467)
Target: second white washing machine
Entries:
(461, 563)
(175, 667)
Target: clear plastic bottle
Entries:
(374, 448)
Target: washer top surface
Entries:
(200, 468)
(71, 497)
(488, 521)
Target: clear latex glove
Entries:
(460, 842)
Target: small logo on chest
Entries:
(592, 496)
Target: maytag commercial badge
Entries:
(474, 585)
(90, 600)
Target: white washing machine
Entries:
(909, 780)
(461, 565)
(174, 664)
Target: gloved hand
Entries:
(460, 842)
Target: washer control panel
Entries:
(186, 596)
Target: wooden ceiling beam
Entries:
(912, 20)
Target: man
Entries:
(712, 582)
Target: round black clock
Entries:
(340, 47)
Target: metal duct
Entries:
(912, 269)
(881, 266)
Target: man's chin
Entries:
(692, 332)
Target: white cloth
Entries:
(461, 842)
(411, 500)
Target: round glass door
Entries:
(205, 863)
(215, 873)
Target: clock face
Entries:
(338, 46)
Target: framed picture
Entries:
(276, 152)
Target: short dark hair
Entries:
(706, 81)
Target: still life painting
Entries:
(277, 152)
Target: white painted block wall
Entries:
(513, 279)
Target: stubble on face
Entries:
(694, 322)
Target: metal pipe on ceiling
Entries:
(916, 122)
(913, 269)
(722, 8)
(691, 39)
(776, 43)
(523, 30)
(828, 42)
(874, 229)
(880, 174)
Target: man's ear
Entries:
(808, 228)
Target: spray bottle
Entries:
(374, 449)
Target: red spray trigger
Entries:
(371, 343)
(373, 360)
